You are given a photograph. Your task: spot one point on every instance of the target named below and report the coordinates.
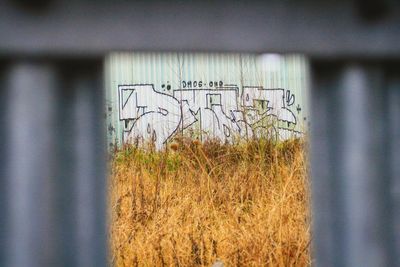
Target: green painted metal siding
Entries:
(167, 72)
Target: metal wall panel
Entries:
(190, 76)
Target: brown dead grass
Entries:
(247, 205)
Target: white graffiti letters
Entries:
(150, 115)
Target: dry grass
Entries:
(247, 205)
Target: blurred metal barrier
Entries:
(355, 142)
(52, 159)
(53, 163)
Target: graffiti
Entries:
(273, 100)
(220, 112)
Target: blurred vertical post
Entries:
(3, 164)
(89, 121)
(55, 175)
(327, 200)
(30, 126)
(352, 205)
(394, 148)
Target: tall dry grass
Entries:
(245, 204)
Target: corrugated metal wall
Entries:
(203, 75)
